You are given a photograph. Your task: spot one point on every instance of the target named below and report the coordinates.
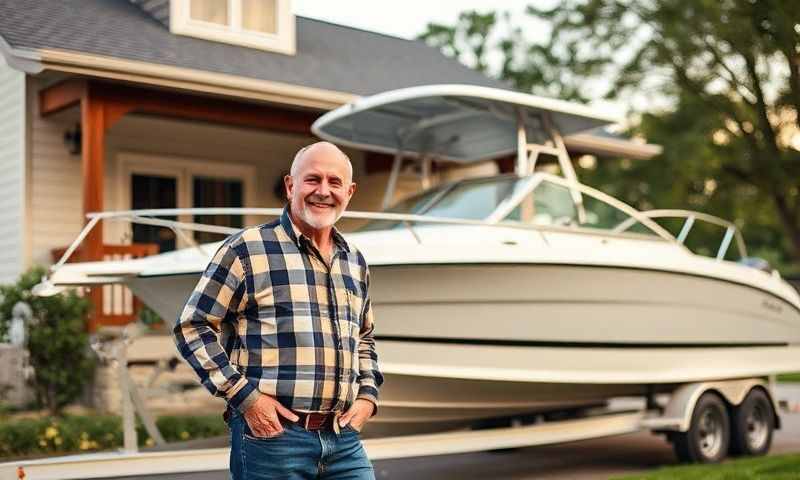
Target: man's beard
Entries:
(318, 221)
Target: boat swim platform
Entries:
(177, 462)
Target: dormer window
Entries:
(263, 24)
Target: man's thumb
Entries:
(345, 418)
(286, 413)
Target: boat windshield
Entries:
(473, 199)
(553, 205)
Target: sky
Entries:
(404, 19)
(408, 18)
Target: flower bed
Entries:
(31, 437)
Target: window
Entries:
(210, 192)
(473, 199)
(553, 205)
(263, 24)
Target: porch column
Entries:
(92, 164)
(92, 167)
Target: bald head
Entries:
(321, 149)
(319, 186)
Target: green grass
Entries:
(783, 467)
(789, 377)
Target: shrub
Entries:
(87, 433)
(57, 339)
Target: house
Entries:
(120, 104)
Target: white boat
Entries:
(513, 294)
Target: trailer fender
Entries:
(677, 415)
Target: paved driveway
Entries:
(590, 459)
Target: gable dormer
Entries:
(262, 24)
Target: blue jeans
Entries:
(297, 454)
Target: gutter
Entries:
(36, 61)
(23, 59)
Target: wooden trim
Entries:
(61, 96)
(127, 99)
(166, 76)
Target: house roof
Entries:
(329, 56)
(130, 40)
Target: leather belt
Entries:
(316, 420)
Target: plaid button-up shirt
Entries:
(269, 315)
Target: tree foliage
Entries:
(728, 73)
(57, 340)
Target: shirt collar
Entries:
(299, 239)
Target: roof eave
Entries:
(36, 61)
(597, 145)
(24, 60)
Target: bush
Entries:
(79, 433)
(57, 338)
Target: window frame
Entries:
(282, 41)
(184, 169)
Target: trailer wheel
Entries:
(708, 436)
(752, 424)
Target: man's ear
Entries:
(287, 182)
(351, 190)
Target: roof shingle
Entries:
(329, 56)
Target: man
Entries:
(280, 325)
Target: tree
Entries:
(728, 70)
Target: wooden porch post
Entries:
(92, 165)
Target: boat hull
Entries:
(543, 304)
(460, 343)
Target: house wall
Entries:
(55, 206)
(12, 172)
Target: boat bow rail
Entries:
(731, 230)
(495, 219)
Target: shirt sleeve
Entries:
(218, 297)
(370, 377)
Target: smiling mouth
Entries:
(321, 205)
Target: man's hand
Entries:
(263, 417)
(358, 414)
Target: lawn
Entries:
(783, 467)
(789, 377)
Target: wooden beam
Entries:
(61, 96)
(122, 99)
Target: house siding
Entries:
(56, 183)
(12, 172)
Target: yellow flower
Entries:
(42, 443)
(84, 436)
(57, 441)
(85, 445)
(50, 432)
(149, 442)
(184, 435)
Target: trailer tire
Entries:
(752, 425)
(708, 436)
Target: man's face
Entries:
(321, 187)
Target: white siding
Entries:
(56, 203)
(12, 172)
